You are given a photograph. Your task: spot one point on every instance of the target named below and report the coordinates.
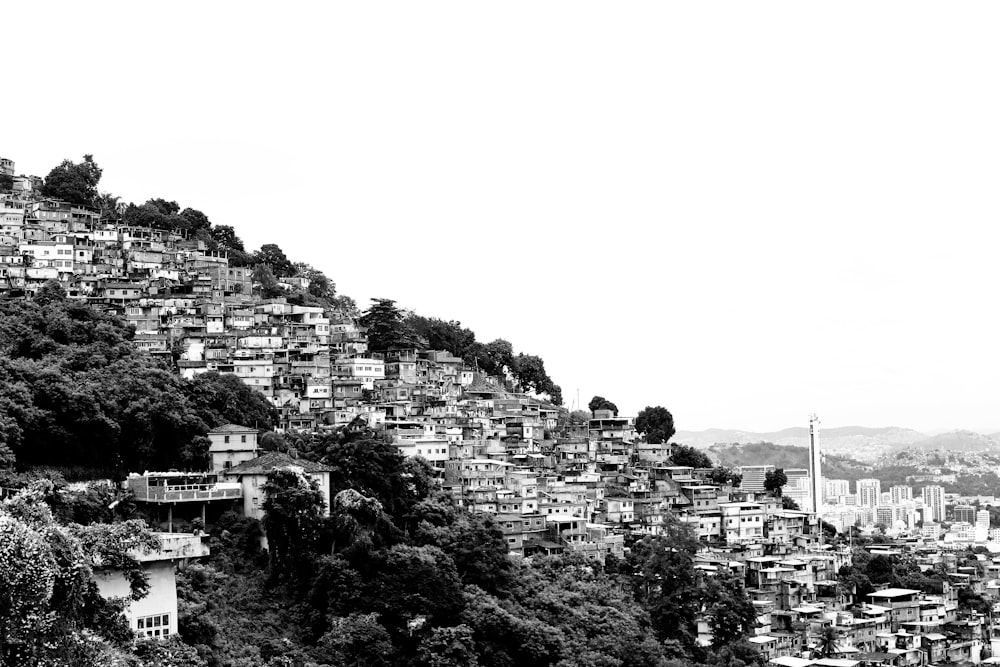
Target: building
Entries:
(933, 497)
(231, 445)
(154, 615)
(753, 477)
(251, 476)
(900, 493)
(835, 489)
(869, 492)
(966, 513)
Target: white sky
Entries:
(745, 212)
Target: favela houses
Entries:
(211, 457)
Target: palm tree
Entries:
(828, 641)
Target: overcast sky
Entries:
(745, 212)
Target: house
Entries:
(154, 615)
(231, 446)
(252, 476)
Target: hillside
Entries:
(789, 456)
(853, 441)
(957, 441)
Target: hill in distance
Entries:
(860, 442)
(959, 441)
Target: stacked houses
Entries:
(553, 487)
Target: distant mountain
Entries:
(859, 442)
(958, 441)
(799, 436)
(789, 456)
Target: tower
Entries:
(815, 473)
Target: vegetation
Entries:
(74, 390)
(397, 575)
(689, 456)
(656, 423)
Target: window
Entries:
(153, 626)
(243, 438)
(225, 439)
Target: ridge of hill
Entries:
(959, 441)
(853, 441)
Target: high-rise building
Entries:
(833, 489)
(815, 468)
(869, 492)
(933, 497)
(966, 513)
(753, 477)
(983, 519)
(798, 487)
(900, 493)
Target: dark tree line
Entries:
(75, 392)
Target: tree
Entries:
(51, 291)
(665, 581)
(437, 334)
(448, 647)
(774, 480)
(529, 371)
(685, 455)
(656, 423)
(226, 237)
(601, 403)
(828, 639)
(220, 399)
(195, 220)
(72, 182)
(293, 512)
(320, 286)
(731, 614)
(272, 256)
(789, 504)
(386, 326)
(266, 283)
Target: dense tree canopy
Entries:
(656, 423)
(274, 257)
(601, 403)
(685, 455)
(386, 326)
(775, 480)
(74, 182)
(74, 390)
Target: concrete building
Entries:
(869, 492)
(154, 615)
(933, 497)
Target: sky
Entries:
(744, 212)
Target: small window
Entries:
(243, 438)
(225, 439)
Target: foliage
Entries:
(273, 257)
(293, 508)
(50, 609)
(266, 283)
(74, 182)
(601, 403)
(789, 504)
(656, 423)
(223, 399)
(685, 455)
(774, 481)
(386, 326)
(73, 386)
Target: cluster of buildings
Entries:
(798, 605)
(933, 515)
(553, 487)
